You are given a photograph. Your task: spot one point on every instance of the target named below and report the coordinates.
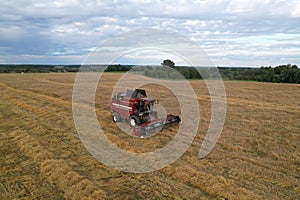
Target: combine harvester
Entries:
(134, 106)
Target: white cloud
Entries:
(295, 12)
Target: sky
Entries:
(245, 33)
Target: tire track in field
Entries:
(255, 104)
(37, 96)
(57, 171)
(249, 103)
(52, 82)
(18, 97)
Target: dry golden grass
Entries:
(56, 171)
(41, 156)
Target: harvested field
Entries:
(42, 157)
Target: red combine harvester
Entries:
(135, 107)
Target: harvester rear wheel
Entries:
(116, 117)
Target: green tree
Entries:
(298, 76)
(168, 63)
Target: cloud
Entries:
(11, 33)
(228, 30)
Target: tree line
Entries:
(279, 74)
(30, 68)
(168, 70)
(27, 68)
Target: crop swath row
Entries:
(57, 171)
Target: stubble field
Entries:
(42, 157)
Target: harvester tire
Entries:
(116, 117)
(134, 121)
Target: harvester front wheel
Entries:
(134, 121)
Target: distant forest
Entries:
(279, 74)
